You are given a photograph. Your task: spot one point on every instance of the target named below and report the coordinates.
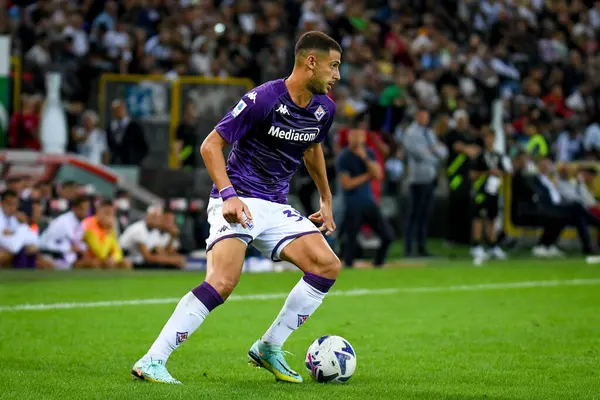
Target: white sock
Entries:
(187, 317)
(302, 301)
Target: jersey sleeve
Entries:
(239, 120)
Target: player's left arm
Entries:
(314, 159)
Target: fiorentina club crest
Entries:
(320, 113)
(181, 337)
(301, 319)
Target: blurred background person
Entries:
(489, 169)
(141, 243)
(186, 145)
(126, 139)
(90, 140)
(356, 167)
(424, 154)
(100, 237)
(62, 242)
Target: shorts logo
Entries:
(223, 229)
(238, 108)
(181, 337)
(301, 319)
(320, 113)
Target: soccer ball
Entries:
(331, 359)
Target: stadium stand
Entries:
(526, 68)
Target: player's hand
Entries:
(324, 217)
(496, 172)
(236, 212)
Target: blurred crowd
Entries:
(64, 226)
(540, 57)
(528, 70)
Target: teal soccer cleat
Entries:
(271, 358)
(153, 371)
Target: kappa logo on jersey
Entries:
(320, 113)
(296, 135)
(301, 319)
(252, 96)
(239, 108)
(181, 337)
(283, 110)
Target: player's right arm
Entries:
(238, 121)
(234, 209)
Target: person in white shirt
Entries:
(16, 238)
(168, 242)
(90, 139)
(62, 241)
(140, 243)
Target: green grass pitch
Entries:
(515, 330)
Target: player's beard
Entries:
(317, 87)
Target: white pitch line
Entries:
(345, 293)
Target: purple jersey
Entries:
(269, 134)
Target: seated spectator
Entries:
(141, 242)
(576, 189)
(18, 243)
(552, 203)
(168, 242)
(101, 239)
(62, 241)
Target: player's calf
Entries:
(225, 262)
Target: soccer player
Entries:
(272, 128)
(488, 169)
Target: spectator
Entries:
(90, 139)
(424, 154)
(18, 243)
(101, 239)
(62, 242)
(169, 242)
(526, 211)
(569, 145)
(186, 145)
(356, 166)
(551, 202)
(463, 147)
(126, 138)
(142, 239)
(24, 125)
(488, 170)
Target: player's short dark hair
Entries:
(9, 193)
(79, 200)
(315, 40)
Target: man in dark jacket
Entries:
(125, 137)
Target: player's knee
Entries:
(224, 285)
(329, 266)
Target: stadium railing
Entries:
(158, 103)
